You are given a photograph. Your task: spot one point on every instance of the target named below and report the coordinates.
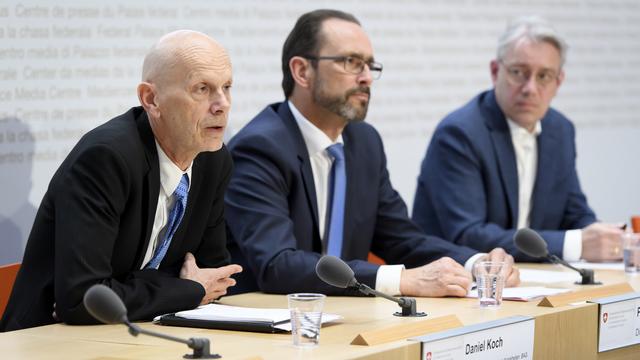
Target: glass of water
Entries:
(490, 279)
(306, 317)
(631, 247)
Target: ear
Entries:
(560, 78)
(494, 67)
(301, 70)
(147, 97)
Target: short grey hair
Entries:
(532, 28)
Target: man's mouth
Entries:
(216, 128)
(527, 105)
(361, 96)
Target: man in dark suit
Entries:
(137, 205)
(283, 196)
(506, 160)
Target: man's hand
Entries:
(602, 242)
(214, 280)
(443, 277)
(512, 274)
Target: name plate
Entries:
(618, 321)
(510, 338)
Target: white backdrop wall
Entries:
(66, 67)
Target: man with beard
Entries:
(310, 178)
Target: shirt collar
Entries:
(170, 174)
(315, 139)
(517, 130)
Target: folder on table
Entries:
(225, 317)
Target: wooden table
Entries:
(567, 332)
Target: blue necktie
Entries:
(175, 216)
(339, 177)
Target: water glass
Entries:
(490, 279)
(306, 317)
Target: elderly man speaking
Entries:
(138, 203)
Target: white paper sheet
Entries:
(618, 265)
(326, 318)
(219, 312)
(523, 293)
(547, 276)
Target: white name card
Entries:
(619, 321)
(510, 339)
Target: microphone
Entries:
(336, 272)
(105, 305)
(532, 244)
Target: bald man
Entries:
(137, 205)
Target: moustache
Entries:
(361, 90)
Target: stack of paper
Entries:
(618, 265)
(548, 276)
(523, 293)
(220, 312)
(217, 315)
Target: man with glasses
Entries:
(310, 178)
(506, 160)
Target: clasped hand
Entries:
(214, 280)
(446, 277)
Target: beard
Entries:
(339, 104)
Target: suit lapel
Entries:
(303, 157)
(545, 172)
(152, 182)
(350, 202)
(507, 165)
(503, 147)
(309, 186)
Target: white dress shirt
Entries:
(170, 176)
(317, 142)
(525, 144)
(388, 276)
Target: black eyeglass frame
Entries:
(375, 68)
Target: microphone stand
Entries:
(588, 277)
(407, 304)
(200, 346)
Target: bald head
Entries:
(186, 93)
(180, 51)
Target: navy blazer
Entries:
(94, 225)
(272, 215)
(468, 185)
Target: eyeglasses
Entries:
(352, 64)
(520, 75)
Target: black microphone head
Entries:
(530, 243)
(103, 304)
(336, 272)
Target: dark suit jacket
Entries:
(272, 213)
(94, 225)
(468, 186)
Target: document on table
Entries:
(548, 276)
(221, 312)
(618, 265)
(523, 293)
(234, 317)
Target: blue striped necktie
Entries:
(175, 216)
(339, 182)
